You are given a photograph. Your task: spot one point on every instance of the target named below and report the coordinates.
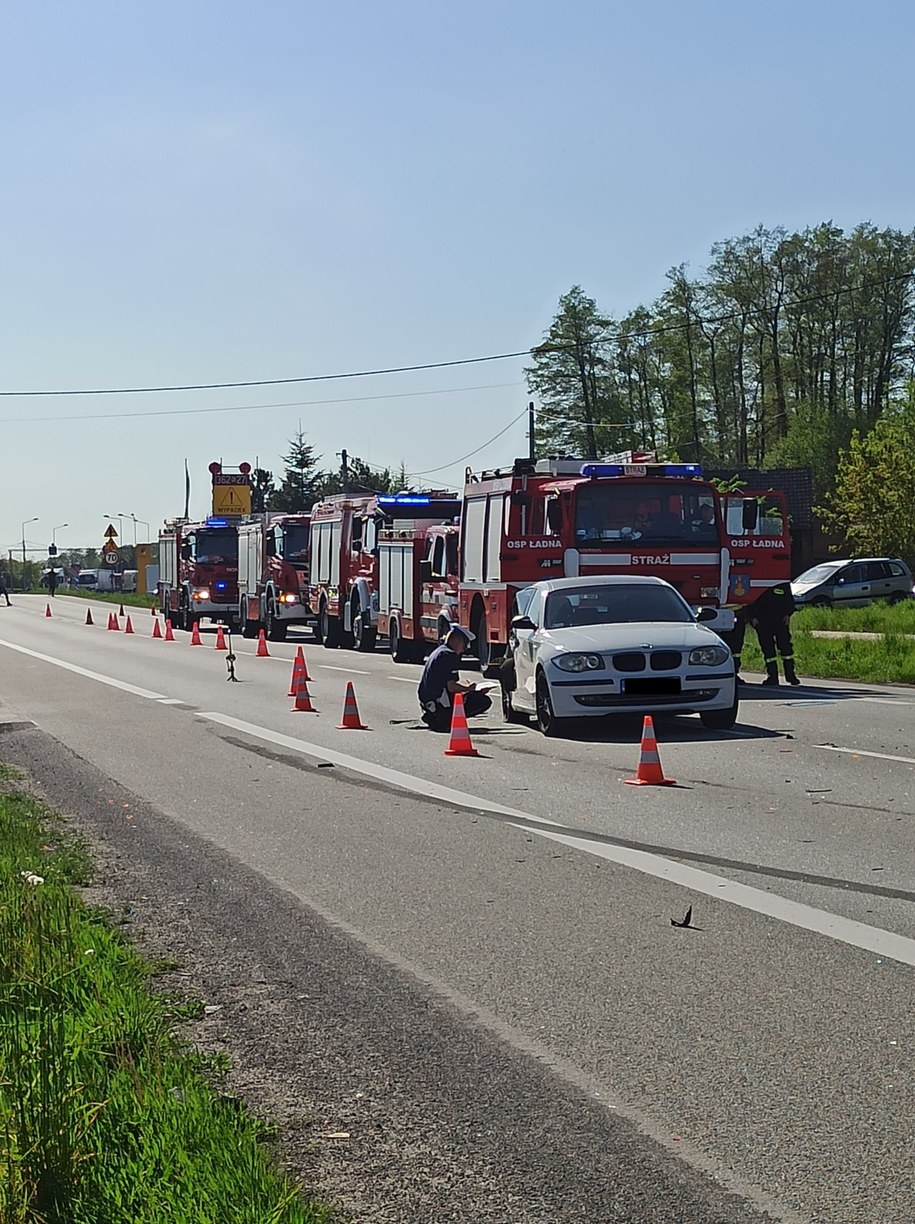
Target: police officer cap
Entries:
(465, 633)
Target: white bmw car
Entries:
(610, 645)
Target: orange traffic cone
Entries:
(169, 632)
(157, 632)
(649, 772)
(113, 623)
(47, 609)
(299, 672)
(128, 628)
(195, 635)
(303, 698)
(121, 610)
(89, 620)
(351, 719)
(262, 651)
(460, 744)
(220, 638)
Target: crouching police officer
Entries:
(440, 680)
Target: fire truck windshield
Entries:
(658, 512)
(295, 543)
(216, 547)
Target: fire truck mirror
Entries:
(185, 552)
(554, 515)
(425, 571)
(521, 498)
(750, 513)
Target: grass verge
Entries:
(104, 1116)
(886, 660)
(128, 598)
(874, 618)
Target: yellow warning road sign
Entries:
(110, 534)
(231, 499)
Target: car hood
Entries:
(598, 639)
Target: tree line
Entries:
(305, 482)
(774, 356)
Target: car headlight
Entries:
(578, 662)
(708, 656)
(202, 593)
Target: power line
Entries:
(162, 412)
(470, 455)
(272, 382)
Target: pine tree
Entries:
(300, 487)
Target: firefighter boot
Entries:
(771, 679)
(790, 674)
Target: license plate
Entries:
(651, 686)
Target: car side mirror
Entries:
(425, 571)
(554, 516)
(707, 614)
(522, 622)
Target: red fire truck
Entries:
(198, 571)
(565, 517)
(345, 537)
(417, 587)
(273, 574)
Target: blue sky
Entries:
(202, 192)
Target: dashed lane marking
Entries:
(353, 671)
(882, 756)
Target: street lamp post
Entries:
(133, 518)
(25, 523)
(54, 531)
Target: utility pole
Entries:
(344, 470)
(531, 446)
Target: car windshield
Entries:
(657, 512)
(819, 573)
(614, 604)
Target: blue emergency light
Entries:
(404, 500)
(220, 586)
(217, 522)
(632, 469)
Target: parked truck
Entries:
(198, 571)
(273, 574)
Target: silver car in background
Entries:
(852, 584)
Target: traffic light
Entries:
(52, 550)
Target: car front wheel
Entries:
(509, 713)
(547, 722)
(720, 720)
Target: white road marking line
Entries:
(354, 671)
(888, 700)
(403, 679)
(883, 756)
(84, 671)
(170, 701)
(794, 913)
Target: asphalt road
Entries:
(499, 927)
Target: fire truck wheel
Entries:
(248, 627)
(401, 648)
(329, 629)
(363, 636)
(276, 629)
(481, 645)
(509, 713)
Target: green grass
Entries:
(874, 618)
(884, 660)
(105, 1117)
(128, 598)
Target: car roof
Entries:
(570, 584)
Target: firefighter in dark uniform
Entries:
(770, 615)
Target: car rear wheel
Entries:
(898, 597)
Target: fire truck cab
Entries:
(569, 517)
(198, 571)
(273, 574)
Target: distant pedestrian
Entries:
(5, 586)
(52, 581)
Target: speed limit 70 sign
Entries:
(111, 556)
